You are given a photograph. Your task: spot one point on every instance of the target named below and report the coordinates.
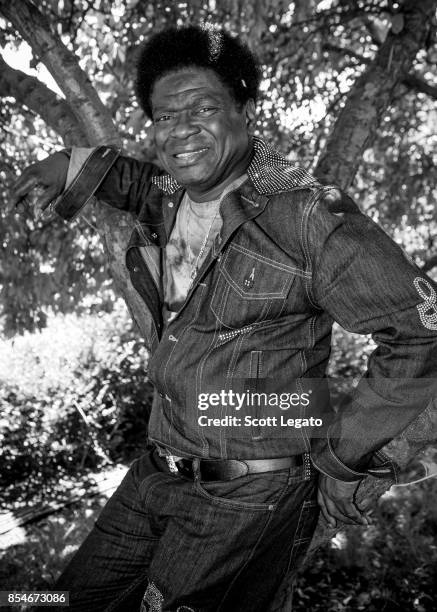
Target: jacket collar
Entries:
(268, 171)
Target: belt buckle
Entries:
(171, 464)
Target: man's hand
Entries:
(337, 502)
(46, 177)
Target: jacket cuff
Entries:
(328, 463)
(86, 182)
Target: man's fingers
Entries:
(323, 509)
(42, 198)
(366, 504)
(345, 512)
(22, 187)
(353, 514)
(35, 196)
(335, 513)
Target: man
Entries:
(243, 262)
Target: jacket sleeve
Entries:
(369, 286)
(121, 182)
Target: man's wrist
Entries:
(83, 182)
(327, 462)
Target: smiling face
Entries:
(201, 133)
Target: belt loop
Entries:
(196, 469)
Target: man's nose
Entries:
(184, 126)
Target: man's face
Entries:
(201, 133)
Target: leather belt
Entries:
(229, 469)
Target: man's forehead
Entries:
(184, 84)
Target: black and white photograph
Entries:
(218, 305)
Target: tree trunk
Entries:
(92, 116)
(44, 102)
(372, 93)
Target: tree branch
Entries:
(419, 84)
(29, 91)
(414, 81)
(93, 117)
(372, 93)
(327, 46)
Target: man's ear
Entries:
(250, 115)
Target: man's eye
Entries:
(162, 118)
(204, 110)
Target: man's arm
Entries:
(367, 284)
(121, 182)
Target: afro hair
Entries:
(199, 46)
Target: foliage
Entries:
(390, 566)
(311, 53)
(76, 398)
(45, 264)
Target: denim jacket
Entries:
(292, 257)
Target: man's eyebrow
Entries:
(195, 99)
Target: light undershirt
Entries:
(194, 222)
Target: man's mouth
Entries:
(189, 157)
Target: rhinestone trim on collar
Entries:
(269, 172)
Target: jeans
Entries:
(165, 543)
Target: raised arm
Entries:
(66, 181)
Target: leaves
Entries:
(388, 566)
(73, 398)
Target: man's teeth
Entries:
(189, 153)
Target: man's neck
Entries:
(216, 191)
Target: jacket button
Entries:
(154, 235)
(170, 204)
(135, 269)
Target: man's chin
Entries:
(188, 177)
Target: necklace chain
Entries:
(194, 263)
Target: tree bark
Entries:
(414, 81)
(371, 95)
(29, 91)
(92, 116)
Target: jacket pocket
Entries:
(250, 288)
